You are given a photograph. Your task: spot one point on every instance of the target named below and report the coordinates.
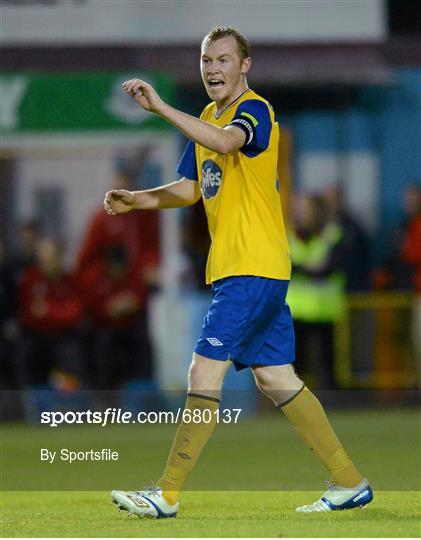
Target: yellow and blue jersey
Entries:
(240, 194)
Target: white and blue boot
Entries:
(341, 498)
(149, 503)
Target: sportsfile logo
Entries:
(211, 178)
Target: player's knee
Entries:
(268, 391)
(205, 375)
(279, 383)
(264, 386)
(272, 379)
(264, 380)
(259, 382)
(196, 375)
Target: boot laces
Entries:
(150, 490)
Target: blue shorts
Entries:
(249, 323)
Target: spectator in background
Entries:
(6, 316)
(29, 235)
(23, 258)
(356, 256)
(138, 232)
(411, 255)
(122, 257)
(50, 315)
(317, 289)
(115, 296)
(399, 269)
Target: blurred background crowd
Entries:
(101, 303)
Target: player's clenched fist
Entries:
(119, 201)
(144, 94)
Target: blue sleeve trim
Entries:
(187, 166)
(259, 110)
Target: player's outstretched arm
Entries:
(221, 140)
(184, 192)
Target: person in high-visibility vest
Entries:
(317, 290)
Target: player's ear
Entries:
(245, 65)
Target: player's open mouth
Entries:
(214, 83)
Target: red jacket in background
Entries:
(99, 291)
(411, 249)
(56, 301)
(137, 231)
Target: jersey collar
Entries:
(216, 116)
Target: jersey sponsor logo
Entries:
(211, 178)
(214, 341)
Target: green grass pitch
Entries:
(259, 453)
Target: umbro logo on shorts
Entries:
(214, 341)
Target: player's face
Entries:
(222, 70)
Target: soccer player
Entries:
(231, 161)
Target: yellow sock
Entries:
(190, 439)
(306, 414)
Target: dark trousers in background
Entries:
(120, 355)
(315, 353)
(38, 354)
(10, 405)
(50, 373)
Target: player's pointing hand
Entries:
(144, 94)
(119, 201)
